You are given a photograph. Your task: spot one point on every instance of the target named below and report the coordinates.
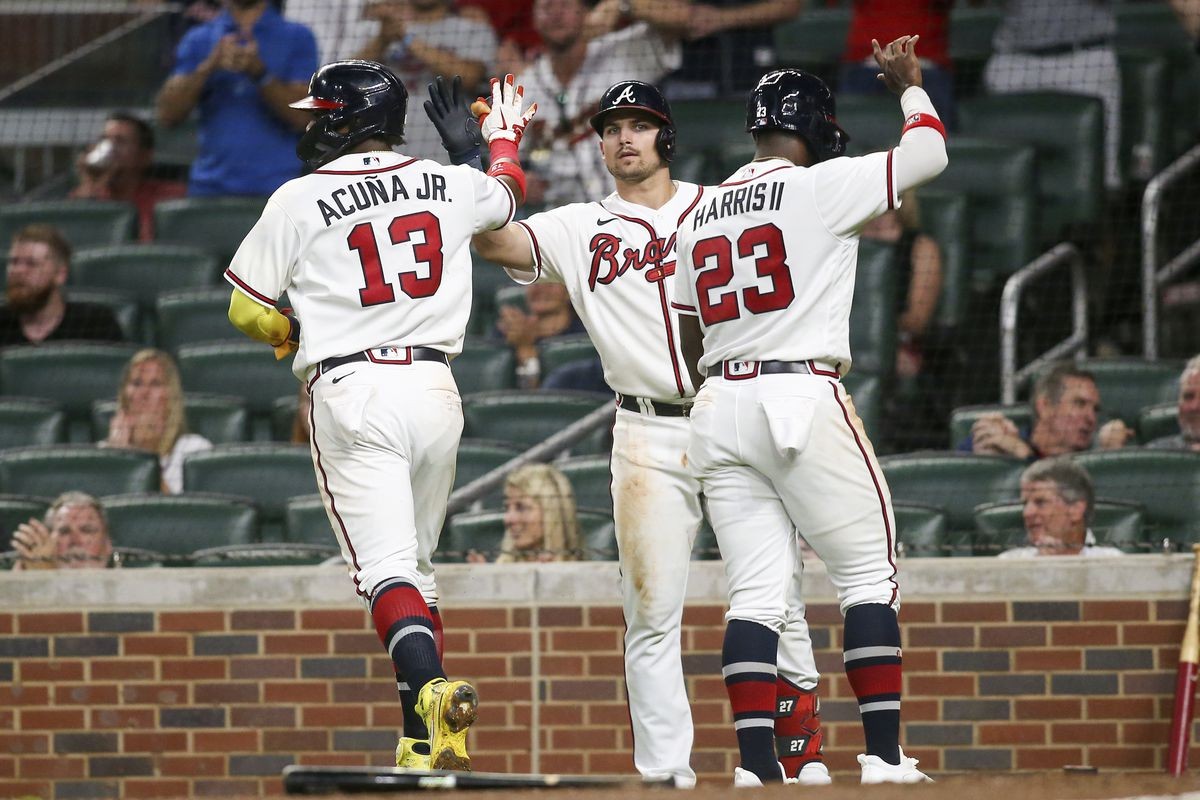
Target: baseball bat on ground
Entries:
(1185, 678)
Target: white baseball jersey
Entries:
(606, 253)
(372, 250)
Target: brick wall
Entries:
(138, 702)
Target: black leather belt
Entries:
(415, 354)
(764, 368)
(1066, 47)
(635, 405)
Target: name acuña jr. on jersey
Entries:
(374, 191)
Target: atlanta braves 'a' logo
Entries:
(626, 96)
(606, 267)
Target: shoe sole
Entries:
(457, 711)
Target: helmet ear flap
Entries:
(665, 143)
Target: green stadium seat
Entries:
(144, 270)
(72, 374)
(1067, 133)
(268, 474)
(486, 279)
(480, 531)
(866, 390)
(557, 351)
(945, 216)
(1000, 526)
(873, 310)
(283, 417)
(1127, 385)
(194, 316)
(176, 525)
(219, 418)
(216, 225)
(50, 470)
(84, 223)
(264, 554)
(873, 121)
(963, 417)
(28, 421)
(1145, 131)
(476, 458)
(591, 480)
(705, 547)
(707, 126)
(1158, 421)
(956, 482)
(971, 33)
(135, 326)
(598, 531)
(16, 509)
(921, 531)
(1165, 482)
(245, 367)
(306, 522)
(999, 182)
(484, 366)
(1154, 27)
(529, 417)
(814, 40)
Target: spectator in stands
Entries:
(1188, 12)
(73, 535)
(1064, 46)
(1188, 437)
(512, 20)
(117, 168)
(420, 39)
(150, 416)
(1065, 404)
(39, 259)
(548, 313)
(341, 29)
(1058, 498)
(540, 522)
(241, 70)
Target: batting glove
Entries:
(503, 119)
(291, 344)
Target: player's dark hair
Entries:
(1070, 480)
(48, 235)
(145, 133)
(1053, 381)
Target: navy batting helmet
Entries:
(792, 100)
(364, 97)
(642, 97)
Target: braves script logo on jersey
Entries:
(605, 266)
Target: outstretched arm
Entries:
(921, 154)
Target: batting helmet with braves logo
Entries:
(642, 97)
(795, 101)
(364, 97)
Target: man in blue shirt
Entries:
(241, 70)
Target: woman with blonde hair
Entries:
(150, 415)
(540, 523)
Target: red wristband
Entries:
(501, 149)
(513, 170)
(920, 120)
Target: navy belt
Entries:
(640, 405)
(414, 354)
(741, 370)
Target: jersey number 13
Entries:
(376, 289)
(713, 258)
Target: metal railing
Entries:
(1011, 378)
(1154, 278)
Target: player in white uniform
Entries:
(767, 263)
(616, 257)
(372, 248)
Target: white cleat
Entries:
(745, 779)
(876, 770)
(814, 773)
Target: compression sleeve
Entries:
(257, 321)
(921, 155)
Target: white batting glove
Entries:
(503, 119)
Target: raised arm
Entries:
(921, 154)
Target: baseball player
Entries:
(372, 250)
(764, 287)
(615, 257)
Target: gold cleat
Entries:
(448, 708)
(412, 753)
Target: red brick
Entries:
(153, 787)
(122, 669)
(608, 617)
(715, 736)
(823, 614)
(617, 714)
(55, 671)
(96, 694)
(8, 768)
(938, 685)
(1083, 733)
(1115, 610)
(338, 716)
(52, 719)
(500, 642)
(225, 741)
(568, 763)
(1152, 633)
(225, 788)
(500, 739)
(560, 714)
(708, 640)
(134, 742)
(343, 760)
(939, 636)
(299, 692)
(1076, 633)
(224, 693)
(586, 641)
(475, 665)
(916, 710)
(584, 738)
(262, 620)
(296, 644)
(7, 623)
(285, 741)
(610, 763)
(260, 668)
(189, 766)
(1048, 758)
(598, 665)
(1012, 636)
(356, 644)
(335, 619)
(1124, 757)
(191, 621)
(389, 716)
(973, 612)
(1171, 610)
(918, 612)
(561, 690)
(24, 743)
(26, 789)
(914, 660)
(123, 718)
(154, 694)
(1048, 660)
(1120, 708)
(502, 690)
(155, 645)
(360, 692)
(61, 622)
(194, 669)
(1145, 732)
(56, 766)
(1052, 709)
(20, 695)
(700, 617)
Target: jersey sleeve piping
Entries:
(891, 186)
(683, 308)
(534, 248)
(688, 210)
(247, 289)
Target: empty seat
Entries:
(268, 474)
(217, 417)
(486, 279)
(956, 482)
(84, 223)
(1158, 421)
(17, 509)
(921, 531)
(814, 40)
(1145, 128)
(1154, 27)
(247, 368)
(216, 225)
(873, 311)
(527, 418)
(478, 531)
(28, 421)
(176, 525)
(194, 316)
(477, 457)
(866, 390)
(963, 417)
(971, 33)
(72, 374)
(598, 532)
(555, 351)
(945, 217)
(307, 522)
(591, 480)
(484, 366)
(707, 126)
(872, 121)
(1165, 482)
(144, 270)
(135, 325)
(1000, 526)
(1127, 385)
(1067, 132)
(50, 470)
(283, 418)
(263, 554)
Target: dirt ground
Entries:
(1044, 786)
